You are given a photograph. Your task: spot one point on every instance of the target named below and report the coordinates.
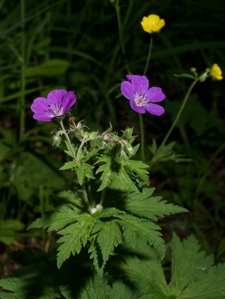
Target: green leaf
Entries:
(83, 171)
(135, 228)
(122, 291)
(55, 220)
(74, 237)
(108, 237)
(138, 170)
(193, 274)
(145, 273)
(37, 282)
(121, 174)
(95, 288)
(147, 206)
(68, 165)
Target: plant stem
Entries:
(122, 45)
(142, 131)
(179, 113)
(149, 55)
(68, 139)
(23, 79)
(142, 134)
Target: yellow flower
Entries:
(152, 23)
(215, 72)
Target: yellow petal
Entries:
(215, 72)
(152, 23)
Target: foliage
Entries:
(190, 277)
(102, 220)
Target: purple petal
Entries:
(56, 96)
(140, 83)
(130, 76)
(155, 94)
(39, 105)
(42, 116)
(155, 109)
(68, 100)
(136, 108)
(127, 90)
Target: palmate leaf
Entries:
(69, 205)
(107, 236)
(122, 291)
(193, 274)
(83, 171)
(135, 228)
(151, 207)
(55, 220)
(121, 174)
(74, 237)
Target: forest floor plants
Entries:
(109, 243)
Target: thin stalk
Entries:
(122, 45)
(142, 131)
(67, 138)
(179, 113)
(142, 134)
(149, 55)
(23, 78)
(102, 197)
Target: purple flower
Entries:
(57, 104)
(142, 98)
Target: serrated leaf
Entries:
(95, 288)
(55, 220)
(138, 170)
(121, 291)
(74, 237)
(145, 273)
(68, 165)
(84, 171)
(108, 237)
(120, 174)
(147, 206)
(135, 228)
(193, 273)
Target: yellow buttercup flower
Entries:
(215, 72)
(152, 23)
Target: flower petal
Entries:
(136, 108)
(155, 94)
(39, 105)
(68, 100)
(56, 96)
(127, 90)
(155, 109)
(43, 116)
(140, 83)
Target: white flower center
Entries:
(140, 99)
(56, 110)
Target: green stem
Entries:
(23, 79)
(102, 197)
(179, 113)
(149, 55)
(122, 45)
(142, 134)
(67, 138)
(142, 131)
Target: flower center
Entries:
(140, 99)
(56, 110)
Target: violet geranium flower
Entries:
(142, 98)
(57, 104)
